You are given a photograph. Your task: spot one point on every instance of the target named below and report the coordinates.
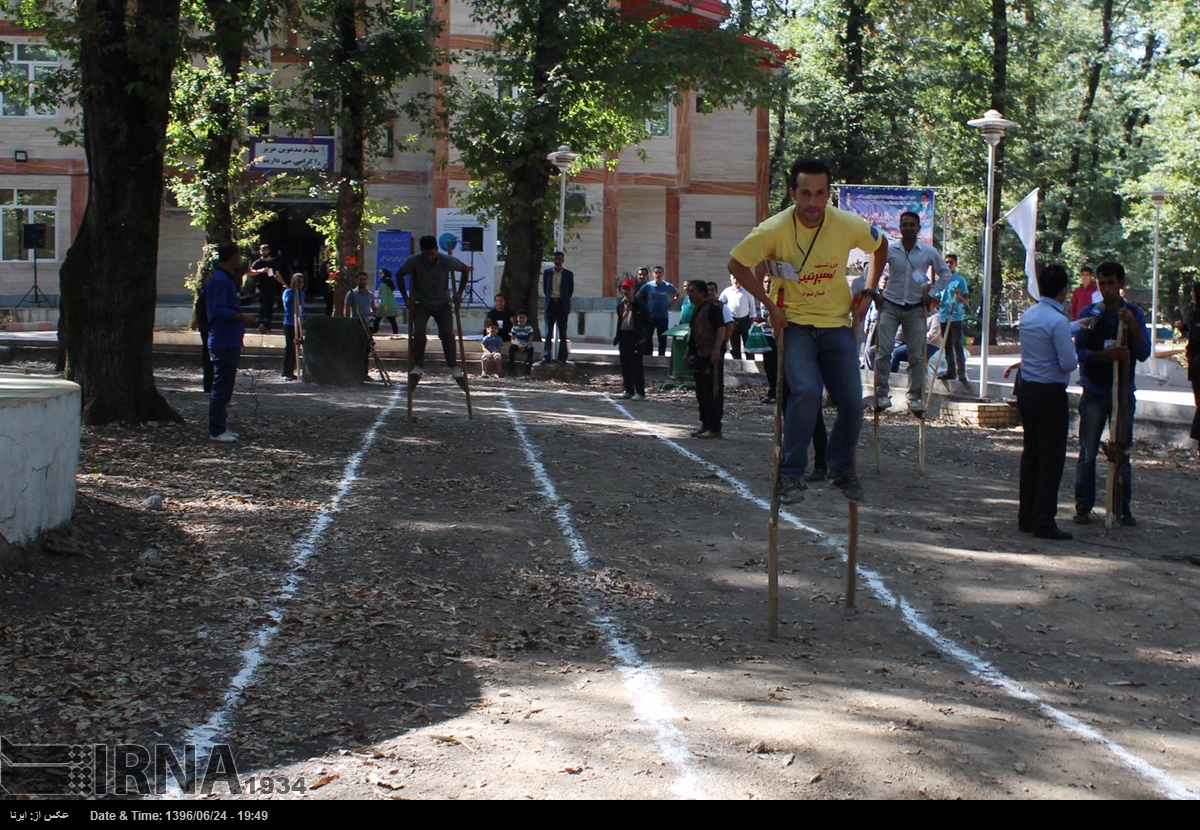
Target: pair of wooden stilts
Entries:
(413, 379)
(773, 520)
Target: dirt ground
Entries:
(566, 598)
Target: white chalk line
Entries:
(205, 735)
(976, 665)
(640, 677)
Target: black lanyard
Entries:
(813, 244)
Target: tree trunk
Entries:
(999, 92)
(229, 30)
(1082, 131)
(850, 165)
(351, 198)
(127, 52)
(530, 175)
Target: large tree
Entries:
(220, 82)
(125, 52)
(354, 58)
(584, 73)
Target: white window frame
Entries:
(12, 57)
(10, 205)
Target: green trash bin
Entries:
(678, 335)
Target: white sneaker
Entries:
(457, 373)
(231, 432)
(416, 372)
(639, 397)
(225, 437)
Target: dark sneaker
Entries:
(710, 433)
(1082, 518)
(817, 474)
(1128, 521)
(848, 483)
(791, 490)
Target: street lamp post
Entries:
(562, 158)
(1157, 196)
(993, 126)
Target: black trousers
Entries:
(710, 392)
(289, 351)
(556, 319)
(741, 328)
(633, 375)
(418, 322)
(1044, 413)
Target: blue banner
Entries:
(391, 249)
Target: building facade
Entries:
(690, 194)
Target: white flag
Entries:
(1023, 219)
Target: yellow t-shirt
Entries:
(820, 296)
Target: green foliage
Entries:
(584, 74)
(205, 104)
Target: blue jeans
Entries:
(225, 364)
(1093, 418)
(814, 359)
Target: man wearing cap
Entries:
(633, 331)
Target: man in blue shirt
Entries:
(1047, 360)
(658, 296)
(956, 299)
(226, 327)
(1100, 353)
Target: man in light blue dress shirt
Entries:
(1047, 360)
(902, 305)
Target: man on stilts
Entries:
(819, 348)
(429, 296)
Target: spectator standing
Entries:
(226, 328)
(741, 307)
(1047, 360)
(658, 296)
(633, 331)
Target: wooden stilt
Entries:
(773, 520)
(1112, 490)
(852, 555)
(462, 357)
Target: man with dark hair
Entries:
(658, 295)
(902, 305)
(226, 327)
(431, 272)
(1101, 353)
(955, 302)
(1081, 297)
(502, 316)
(558, 284)
(812, 315)
(1047, 360)
(706, 356)
(269, 282)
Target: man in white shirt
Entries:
(902, 304)
(741, 307)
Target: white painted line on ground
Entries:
(915, 620)
(641, 679)
(205, 735)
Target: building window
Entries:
(659, 124)
(24, 207)
(25, 67)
